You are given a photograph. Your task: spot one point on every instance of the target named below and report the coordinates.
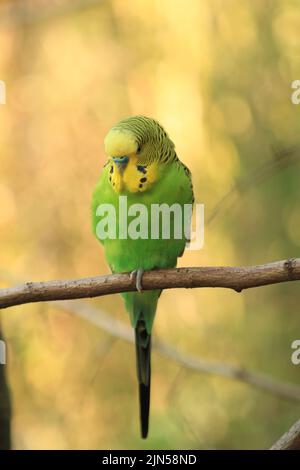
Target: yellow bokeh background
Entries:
(217, 75)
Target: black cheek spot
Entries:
(111, 169)
(143, 180)
(110, 178)
(140, 185)
(142, 169)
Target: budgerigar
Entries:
(143, 166)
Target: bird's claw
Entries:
(138, 275)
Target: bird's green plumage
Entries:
(127, 255)
(170, 184)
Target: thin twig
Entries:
(281, 158)
(117, 329)
(237, 278)
(290, 440)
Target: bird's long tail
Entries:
(143, 363)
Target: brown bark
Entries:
(236, 278)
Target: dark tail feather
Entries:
(143, 363)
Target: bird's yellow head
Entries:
(120, 142)
(136, 145)
(139, 137)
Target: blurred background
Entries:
(218, 76)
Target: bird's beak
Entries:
(121, 162)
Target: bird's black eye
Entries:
(139, 149)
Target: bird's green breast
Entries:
(124, 255)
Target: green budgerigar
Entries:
(144, 170)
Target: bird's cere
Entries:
(157, 221)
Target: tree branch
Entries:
(290, 440)
(236, 278)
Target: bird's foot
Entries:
(137, 274)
